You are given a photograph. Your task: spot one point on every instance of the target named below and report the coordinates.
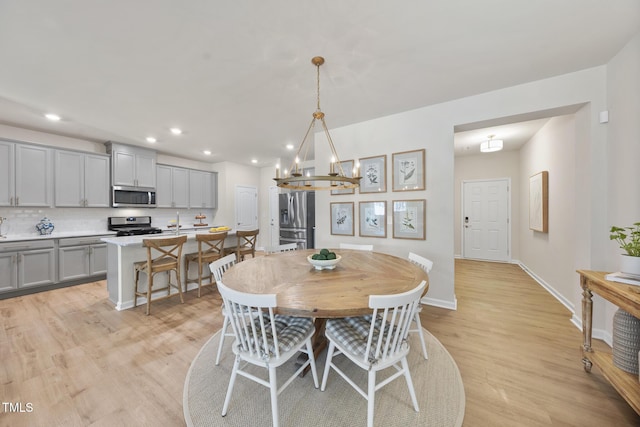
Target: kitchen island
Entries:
(123, 251)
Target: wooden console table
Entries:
(626, 297)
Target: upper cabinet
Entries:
(203, 189)
(132, 166)
(82, 179)
(172, 189)
(26, 175)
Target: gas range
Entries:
(132, 225)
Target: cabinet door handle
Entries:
(20, 257)
(11, 201)
(17, 200)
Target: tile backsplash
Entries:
(22, 221)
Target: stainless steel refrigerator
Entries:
(298, 218)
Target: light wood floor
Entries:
(78, 362)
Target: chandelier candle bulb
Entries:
(277, 171)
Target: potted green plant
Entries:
(629, 239)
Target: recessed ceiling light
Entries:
(176, 131)
(254, 161)
(289, 146)
(52, 117)
(207, 152)
(151, 139)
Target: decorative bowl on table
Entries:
(324, 264)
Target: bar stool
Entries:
(166, 260)
(246, 244)
(210, 248)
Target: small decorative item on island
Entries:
(45, 226)
(200, 217)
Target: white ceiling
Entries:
(236, 76)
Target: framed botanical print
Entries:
(408, 170)
(342, 218)
(409, 219)
(347, 167)
(374, 174)
(539, 202)
(373, 219)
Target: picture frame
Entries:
(374, 174)
(373, 219)
(409, 219)
(347, 167)
(539, 202)
(408, 170)
(342, 218)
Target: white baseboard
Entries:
(451, 305)
(549, 288)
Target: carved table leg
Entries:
(587, 313)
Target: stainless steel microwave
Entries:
(133, 197)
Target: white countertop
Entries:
(55, 235)
(137, 240)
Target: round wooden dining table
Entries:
(344, 291)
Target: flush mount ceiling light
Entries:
(52, 117)
(151, 140)
(491, 145)
(176, 131)
(336, 178)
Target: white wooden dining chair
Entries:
(375, 342)
(267, 340)
(356, 247)
(218, 268)
(426, 265)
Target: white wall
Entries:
(550, 256)
(623, 146)
(432, 128)
(503, 164)
(230, 175)
(623, 101)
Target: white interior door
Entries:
(246, 207)
(485, 219)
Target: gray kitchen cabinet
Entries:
(172, 189)
(81, 257)
(27, 264)
(132, 166)
(81, 179)
(27, 173)
(202, 189)
(7, 174)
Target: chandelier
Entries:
(491, 145)
(336, 179)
